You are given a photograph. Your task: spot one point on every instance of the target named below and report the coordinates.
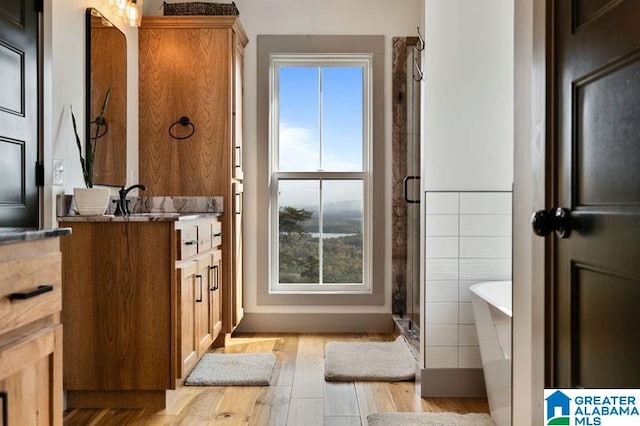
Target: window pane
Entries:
(342, 218)
(342, 118)
(298, 206)
(299, 137)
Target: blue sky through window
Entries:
(342, 118)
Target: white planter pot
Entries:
(91, 201)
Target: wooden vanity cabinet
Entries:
(138, 309)
(200, 305)
(30, 334)
(193, 66)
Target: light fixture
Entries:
(130, 10)
(121, 7)
(134, 12)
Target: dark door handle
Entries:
(217, 275)
(198, 300)
(556, 220)
(214, 277)
(5, 408)
(405, 192)
(29, 294)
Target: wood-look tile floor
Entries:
(298, 395)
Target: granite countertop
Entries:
(146, 209)
(13, 235)
(138, 217)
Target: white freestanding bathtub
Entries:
(492, 312)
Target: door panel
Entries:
(202, 307)
(215, 297)
(588, 10)
(601, 320)
(595, 279)
(607, 112)
(187, 337)
(18, 113)
(237, 280)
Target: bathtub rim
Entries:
(503, 304)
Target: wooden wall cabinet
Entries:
(30, 334)
(139, 308)
(192, 66)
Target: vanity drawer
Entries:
(30, 289)
(210, 233)
(216, 233)
(187, 241)
(204, 235)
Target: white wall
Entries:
(468, 135)
(65, 32)
(363, 17)
(467, 142)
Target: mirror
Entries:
(106, 73)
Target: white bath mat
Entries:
(429, 419)
(369, 361)
(233, 370)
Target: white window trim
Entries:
(321, 60)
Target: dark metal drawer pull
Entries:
(5, 408)
(198, 300)
(219, 234)
(216, 281)
(190, 243)
(29, 294)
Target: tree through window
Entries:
(320, 138)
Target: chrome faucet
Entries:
(122, 203)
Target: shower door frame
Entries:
(403, 49)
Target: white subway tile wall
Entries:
(441, 357)
(468, 240)
(443, 293)
(467, 335)
(443, 335)
(469, 357)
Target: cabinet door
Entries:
(31, 379)
(238, 64)
(215, 293)
(202, 304)
(184, 72)
(237, 280)
(187, 334)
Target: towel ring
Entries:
(184, 121)
(100, 121)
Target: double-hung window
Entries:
(320, 169)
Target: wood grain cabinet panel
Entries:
(193, 66)
(187, 338)
(30, 333)
(215, 293)
(137, 310)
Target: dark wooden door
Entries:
(594, 291)
(18, 113)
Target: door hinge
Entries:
(39, 174)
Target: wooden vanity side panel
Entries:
(117, 308)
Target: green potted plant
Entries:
(91, 201)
